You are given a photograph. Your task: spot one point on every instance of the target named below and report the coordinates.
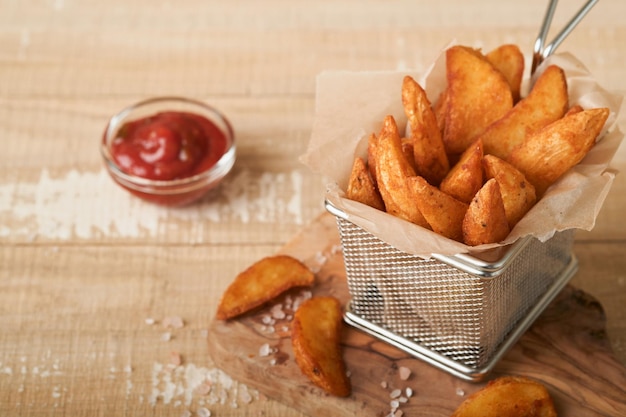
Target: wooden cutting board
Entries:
(566, 349)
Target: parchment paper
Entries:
(351, 105)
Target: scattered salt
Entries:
(409, 392)
(404, 373)
(203, 412)
(265, 350)
(383, 384)
(166, 337)
(395, 393)
(150, 321)
(460, 392)
(174, 322)
(175, 359)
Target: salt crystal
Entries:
(265, 350)
(383, 384)
(174, 322)
(395, 393)
(398, 413)
(460, 392)
(186, 413)
(267, 319)
(203, 412)
(404, 373)
(150, 321)
(175, 358)
(277, 312)
(403, 399)
(409, 392)
(166, 337)
(394, 404)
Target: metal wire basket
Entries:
(459, 313)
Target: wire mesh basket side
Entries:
(457, 314)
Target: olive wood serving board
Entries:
(566, 349)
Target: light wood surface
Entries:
(85, 268)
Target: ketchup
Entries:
(168, 145)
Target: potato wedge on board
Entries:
(466, 176)
(477, 95)
(509, 396)
(443, 213)
(550, 152)
(509, 60)
(547, 102)
(261, 282)
(316, 339)
(518, 194)
(392, 169)
(361, 187)
(485, 220)
(429, 154)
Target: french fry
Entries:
(392, 169)
(509, 60)
(361, 188)
(510, 396)
(466, 176)
(518, 195)
(485, 220)
(546, 103)
(429, 154)
(550, 152)
(477, 95)
(316, 340)
(261, 282)
(443, 213)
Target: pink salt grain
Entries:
(404, 373)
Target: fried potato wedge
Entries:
(316, 340)
(509, 60)
(518, 195)
(439, 109)
(546, 103)
(392, 169)
(261, 282)
(466, 176)
(361, 187)
(429, 154)
(485, 220)
(372, 144)
(509, 396)
(443, 213)
(478, 95)
(550, 152)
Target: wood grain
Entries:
(566, 349)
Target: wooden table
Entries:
(93, 282)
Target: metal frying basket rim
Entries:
(463, 261)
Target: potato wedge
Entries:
(443, 213)
(392, 169)
(261, 282)
(518, 194)
(509, 60)
(439, 109)
(407, 150)
(466, 176)
(372, 144)
(485, 220)
(550, 152)
(316, 340)
(510, 396)
(478, 95)
(361, 187)
(546, 103)
(429, 154)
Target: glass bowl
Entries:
(169, 192)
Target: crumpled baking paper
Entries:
(351, 105)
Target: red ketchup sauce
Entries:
(168, 145)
